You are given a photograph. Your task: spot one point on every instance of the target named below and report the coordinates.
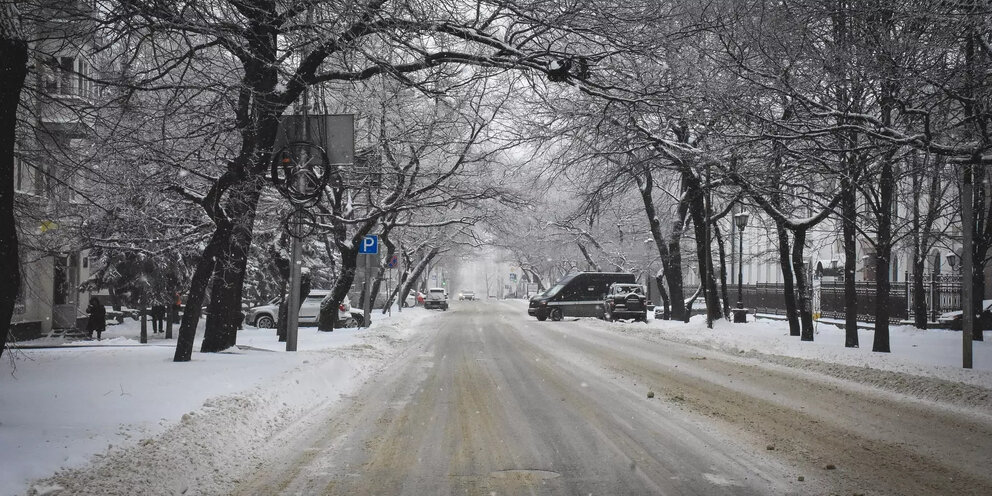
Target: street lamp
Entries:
(740, 314)
(952, 260)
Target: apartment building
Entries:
(53, 135)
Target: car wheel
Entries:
(556, 315)
(542, 318)
(264, 322)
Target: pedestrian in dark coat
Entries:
(158, 318)
(97, 320)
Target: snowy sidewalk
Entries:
(60, 407)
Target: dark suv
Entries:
(625, 301)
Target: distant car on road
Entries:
(436, 298)
(625, 301)
(467, 295)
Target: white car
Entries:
(266, 316)
(436, 298)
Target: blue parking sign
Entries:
(370, 245)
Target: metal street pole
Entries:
(740, 314)
(293, 301)
(967, 266)
(740, 273)
(367, 310)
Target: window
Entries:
(65, 75)
(68, 76)
(27, 179)
(82, 79)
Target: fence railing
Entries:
(942, 293)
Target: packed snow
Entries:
(83, 408)
(85, 401)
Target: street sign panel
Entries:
(393, 261)
(370, 245)
(334, 133)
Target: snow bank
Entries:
(922, 363)
(141, 417)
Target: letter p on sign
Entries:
(370, 245)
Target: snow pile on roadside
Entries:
(191, 456)
(141, 419)
(922, 363)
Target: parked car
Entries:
(625, 301)
(436, 298)
(467, 295)
(576, 295)
(955, 320)
(266, 316)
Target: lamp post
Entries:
(952, 260)
(740, 314)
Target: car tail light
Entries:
(342, 307)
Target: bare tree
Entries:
(13, 71)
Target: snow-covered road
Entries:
(486, 401)
(482, 399)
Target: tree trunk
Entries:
(883, 252)
(723, 269)
(390, 251)
(13, 70)
(411, 281)
(671, 260)
(585, 253)
(882, 292)
(328, 320)
(802, 285)
(980, 249)
(703, 253)
(667, 310)
(791, 309)
(919, 255)
(919, 293)
(225, 313)
(849, 207)
(197, 293)
(143, 312)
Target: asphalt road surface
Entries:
(485, 400)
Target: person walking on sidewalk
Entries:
(97, 320)
(158, 318)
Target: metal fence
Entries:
(942, 292)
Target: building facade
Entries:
(53, 133)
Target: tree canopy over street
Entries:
(601, 134)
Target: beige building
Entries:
(52, 134)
